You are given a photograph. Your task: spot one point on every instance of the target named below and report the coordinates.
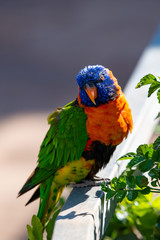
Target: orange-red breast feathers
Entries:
(109, 123)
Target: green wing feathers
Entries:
(66, 138)
(64, 142)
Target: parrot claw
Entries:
(90, 183)
(96, 178)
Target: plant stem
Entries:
(157, 189)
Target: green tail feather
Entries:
(50, 193)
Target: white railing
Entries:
(86, 214)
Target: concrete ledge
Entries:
(86, 214)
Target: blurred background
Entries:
(43, 46)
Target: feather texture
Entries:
(81, 138)
(64, 142)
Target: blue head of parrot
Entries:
(95, 86)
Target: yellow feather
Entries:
(73, 172)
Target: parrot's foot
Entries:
(96, 178)
(90, 183)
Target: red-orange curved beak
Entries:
(91, 92)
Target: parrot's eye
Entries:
(101, 77)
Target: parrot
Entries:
(81, 138)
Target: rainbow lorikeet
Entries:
(82, 137)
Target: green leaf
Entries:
(145, 165)
(141, 181)
(113, 182)
(103, 186)
(142, 149)
(129, 172)
(154, 86)
(127, 156)
(154, 183)
(153, 173)
(36, 231)
(130, 181)
(148, 220)
(110, 194)
(120, 195)
(132, 195)
(30, 233)
(145, 190)
(136, 160)
(156, 143)
(156, 155)
(37, 227)
(50, 225)
(118, 183)
(158, 224)
(158, 115)
(121, 182)
(148, 79)
(158, 95)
